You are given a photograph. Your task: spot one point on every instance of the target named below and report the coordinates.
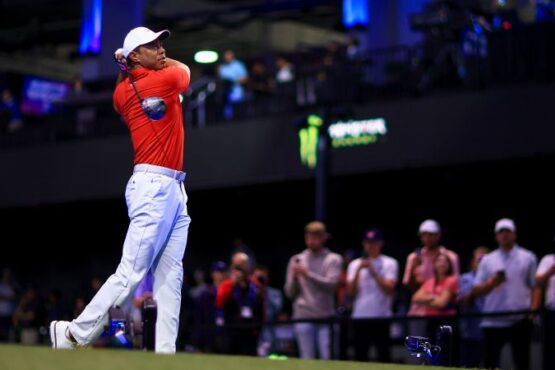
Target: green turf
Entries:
(13, 357)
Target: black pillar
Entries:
(322, 173)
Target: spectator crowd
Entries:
(341, 305)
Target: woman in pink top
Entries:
(437, 296)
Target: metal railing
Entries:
(540, 336)
(196, 97)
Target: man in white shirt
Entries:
(545, 278)
(505, 278)
(371, 281)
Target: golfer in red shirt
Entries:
(147, 98)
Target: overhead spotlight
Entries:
(206, 56)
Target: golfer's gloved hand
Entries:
(120, 59)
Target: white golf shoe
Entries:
(59, 335)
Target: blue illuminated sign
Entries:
(91, 27)
(39, 94)
(355, 13)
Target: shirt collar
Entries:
(139, 73)
(323, 252)
(509, 253)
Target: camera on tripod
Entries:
(432, 354)
(420, 347)
(120, 331)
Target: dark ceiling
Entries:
(31, 23)
(41, 37)
(25, 23)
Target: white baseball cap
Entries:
(141, 36)
(505, 224)
(429, 226)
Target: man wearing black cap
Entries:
(372, 280)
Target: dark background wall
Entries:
(514, 122)
(83, 239)
(463, 159)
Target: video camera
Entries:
(119, 331)
(420, 347)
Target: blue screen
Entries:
(38, 95)
(355, 13)
(91, 27)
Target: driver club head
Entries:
(154, 108)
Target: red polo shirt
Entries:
(225, 291)
(160, 142)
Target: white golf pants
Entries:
(156, 238)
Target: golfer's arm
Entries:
(175, 63)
